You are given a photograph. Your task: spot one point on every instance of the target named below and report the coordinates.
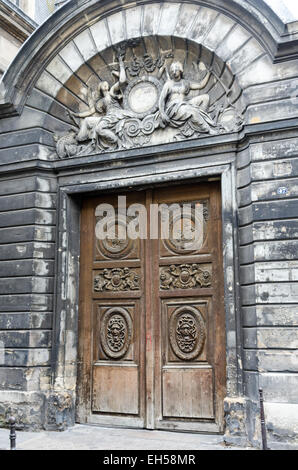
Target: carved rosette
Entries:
(116, 279)
(116, 332)
(185, 276)
(187, 333)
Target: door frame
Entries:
(65, 328)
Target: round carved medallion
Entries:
(116, 332)
(187, 333)
(187, 231)
(118, 246)
(141, 96)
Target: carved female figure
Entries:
(176, 109)
(90, 118)
(99, 122)
(109, 105)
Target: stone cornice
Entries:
(225, 145)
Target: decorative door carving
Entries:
(189, 323)
(112, 317)
(152, 329)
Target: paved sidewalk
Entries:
(84, 437)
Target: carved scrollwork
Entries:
(116, 279)
(149, 63)
(187, 333)
(185, 276)
(151, 96)
(135, 67)
(116, 332)
(134, 129)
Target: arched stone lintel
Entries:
(203, 26)
(76, 15)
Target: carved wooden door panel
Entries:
(112, 330)
(189, 318)
(151, 328)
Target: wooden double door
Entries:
(151, 315)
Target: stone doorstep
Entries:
(87, 435)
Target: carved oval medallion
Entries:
(187, 229)
(185, 276)
(142, 97)
(116, 332)
(187, 333)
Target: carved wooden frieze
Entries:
(187, 332)
(185, 276)
(150, 99)
(116, 332)
(116, 279)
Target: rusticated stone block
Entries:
(27, 407)
(282, 425)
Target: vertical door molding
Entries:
(231, 283)
(65, 325)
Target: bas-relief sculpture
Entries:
(187, 333)
(116, 332)
(139, 105)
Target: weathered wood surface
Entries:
(118, 385)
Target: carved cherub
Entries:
(99, 283)
(165, 280)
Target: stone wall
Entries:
(27, 252)
(267, 197)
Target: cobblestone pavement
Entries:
(84, 437)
